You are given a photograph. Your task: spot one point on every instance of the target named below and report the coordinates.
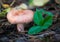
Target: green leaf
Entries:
(42, 23)
(30, 2)
(38, 18)
(35, 30)
(48, 20)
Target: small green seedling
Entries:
(40, 21)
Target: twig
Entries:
(12, 2)
(43, 35)
(1, 2)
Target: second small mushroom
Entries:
(20, 17)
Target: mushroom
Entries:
(20, 17)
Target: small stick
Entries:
(13, 2)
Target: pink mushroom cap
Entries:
(20, 16)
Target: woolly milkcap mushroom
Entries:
(20, 17)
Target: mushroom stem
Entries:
(20, 27)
